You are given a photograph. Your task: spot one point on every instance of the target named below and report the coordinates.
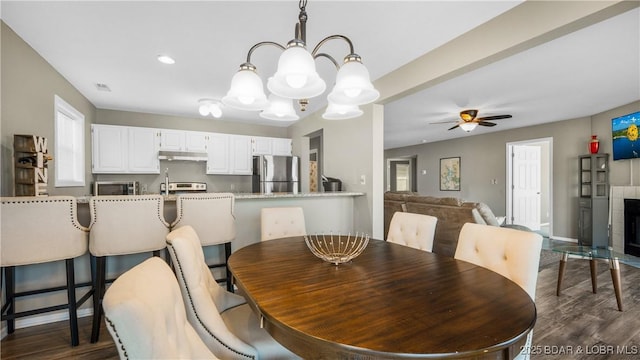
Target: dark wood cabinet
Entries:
(593, 201)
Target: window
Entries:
(69, 145)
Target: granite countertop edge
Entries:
(243, 196)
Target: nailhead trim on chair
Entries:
(132, 198)
(179, 267)
(208, 196)
(72, 208)
(115, 331)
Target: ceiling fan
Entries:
(469, 121)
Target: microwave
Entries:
(116, 188)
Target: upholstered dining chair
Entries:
(412, 230)
(280, 222)
(122, 225)
(146, 317)
(222, 319)
(211, 216)
(38, 230)
(514, 254)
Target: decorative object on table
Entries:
(337, 249)
(450, 174)
(594, 144)
(31, 172)
(296, 79)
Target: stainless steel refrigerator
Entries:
(275, 174)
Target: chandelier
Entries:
(296, 79)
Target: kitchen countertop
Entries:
(242, 196)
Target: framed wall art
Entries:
(450, 174)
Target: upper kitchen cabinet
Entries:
(124, 150)
(182, 140)
(241, 158)
(270, 146)
(229, 154)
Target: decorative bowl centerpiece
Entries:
(337, 249)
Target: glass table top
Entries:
(588, 251)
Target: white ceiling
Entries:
(116, 43)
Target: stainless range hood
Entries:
(182, 156)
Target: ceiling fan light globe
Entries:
(468, 127)
(246, 91)
(353, 85)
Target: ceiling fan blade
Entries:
(453, 127)
(496, 117)
(444, 122)
(486, 123)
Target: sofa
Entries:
(452, 214)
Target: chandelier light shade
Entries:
(210, 106)
(247, 90)
(280, 109)
(468, 126)
(341, 112)
(353, 85)
(296, 78)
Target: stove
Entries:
(184, 188)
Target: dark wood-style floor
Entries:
(576, 325)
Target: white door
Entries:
(526, 186)
(241, 161)
(172, 140)
(218, 154)
(196, 141)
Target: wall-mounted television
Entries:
(624, 134)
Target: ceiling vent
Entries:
(103, 87)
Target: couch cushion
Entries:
(450, 201)
(485, 212)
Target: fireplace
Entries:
(632, 227)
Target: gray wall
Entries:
(29, 84)
(483, 157)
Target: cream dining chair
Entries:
(413, 230)
(223, 320)
(146, 316)
(212, 216)
(280, 222)
(514, 254)
(36, 230)
(122, 225)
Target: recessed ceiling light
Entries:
(166, 59)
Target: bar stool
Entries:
(39, 230)
(280, 222)
(211, 216)
(122, 225)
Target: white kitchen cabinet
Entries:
(261, 145)
(229, 154)
(241, 158)
(182, 140)
(218, 154)
(144, 144)
(196, 141)
(124, 150)
(281, 147)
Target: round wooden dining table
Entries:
(391, 302)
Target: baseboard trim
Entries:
(44, 319)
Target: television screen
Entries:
(624, 133)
